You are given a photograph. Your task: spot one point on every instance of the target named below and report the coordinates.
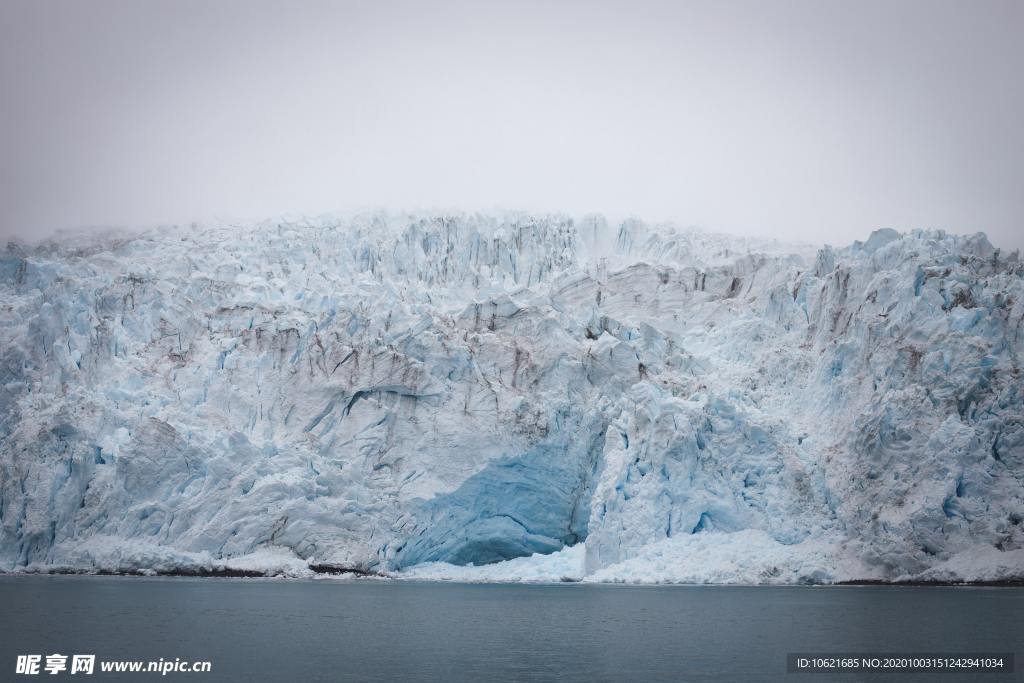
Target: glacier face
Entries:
(392, 391)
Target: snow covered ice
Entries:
(546, 397)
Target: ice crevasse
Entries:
(512, 397)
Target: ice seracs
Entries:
(428, 394)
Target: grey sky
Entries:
(814, 120)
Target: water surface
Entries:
(372, 630)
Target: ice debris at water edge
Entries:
(545, 396)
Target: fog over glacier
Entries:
(801, 119)
(512, 395)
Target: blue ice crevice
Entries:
(514, 507)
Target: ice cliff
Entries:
(404, 393)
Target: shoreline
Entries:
(355, 573)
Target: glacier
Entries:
(512, 396)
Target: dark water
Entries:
(255, 630)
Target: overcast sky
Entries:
(816, 120)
